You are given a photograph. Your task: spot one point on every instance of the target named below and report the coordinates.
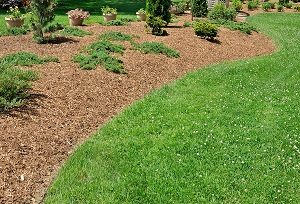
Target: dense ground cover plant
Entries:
(13, 31)
(220, 12)
(199, 8)
(156, 48)
(228, 133)
(244, 27)
(99, 53)
(205, 29)
(115, 36)
(15, 82)
(73, 31)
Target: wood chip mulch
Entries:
(67, 104)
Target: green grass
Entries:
(14, 82)
(228, 133)
(72, 31)
(156, 48)
(126, 9)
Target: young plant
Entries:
(205, 29)
(156, 48)
(108, 10)
(297, 8)
(155, 24)
(288, 5)
(220, 12)
(73, 31)
(279, 8)
(253, 4)
(115, 36)
(267, 6)
(42, 13)
(199, 8)
(237, 5)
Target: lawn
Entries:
(126, 8)
(228, 133)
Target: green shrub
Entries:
(266, 6)
(244, 27)
(288, 5)
(73, 31)
(220, 12)
(99, 53)
(205, 29)
(279, 8)
(52, 27)
(237, 5)
(253, 4)
(115, 36)
(159, 9)
(156, 48)
(15, 82)
(297, 8)
(179, 5)
(115, 23)
(187, 24)
(199, 8)
(42, 13)
(155, 24)
(283, 2)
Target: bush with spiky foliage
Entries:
(159, 8)
(199, 8)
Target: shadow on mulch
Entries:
(29, 108)
(60, 40)
(216, 41)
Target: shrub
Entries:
(156, 48)
(244, 27)
(199, 8)
(220, 12)
(73, 31)
(159, 9)
(78, 14)
(15, 82)
(205, 29)
(99, 53)
(156, 24)
(283, 2)
(128, 19)
(253, 4)
(42, 13)
(237, 5)
(14, 31)
(115, 36)
(179, 6)
(297, 8)
(52, 27)
(267, 6)
(288, 5)
(115, 23)
(279, 8)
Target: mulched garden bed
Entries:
(68, 105)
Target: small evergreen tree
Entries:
(42, 13)
(159, 8)
(199, 8)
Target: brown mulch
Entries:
(68, 104)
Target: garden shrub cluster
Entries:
(73, 31)
(244, 27)
(156, 24)
(220, 12)
(253, 4)
(237, 5)
(14, 82)
(205, 29)
(156, 48)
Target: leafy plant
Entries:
(266, 6)
(14, 31)
(141, 11)
(237, 5)
(73, 31)
(108, 10)
(279, 8)
(78, 14)
(179, 6)
(297, 8)
(253, 4)
(115, 36)
(244, 27)
(187, 24)
(199, 8)
(156, 24)
(159, 9)
(156, 48)
(15, 82)
(52, 27)
(14, 12)
(42, 13)
(283, 2)
(99, 54)
(288, 5)
(220, 12)
(115, 23)
(205, 29)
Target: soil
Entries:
(67, 104)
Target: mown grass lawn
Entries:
(228, 133)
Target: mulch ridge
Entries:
(69, 104)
